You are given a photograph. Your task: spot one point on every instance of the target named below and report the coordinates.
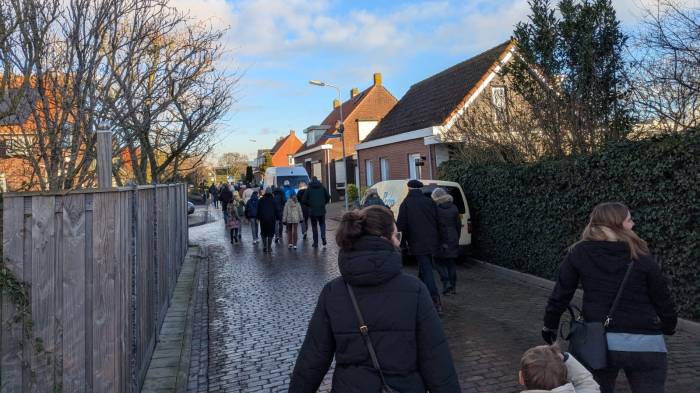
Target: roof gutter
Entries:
(402, 137)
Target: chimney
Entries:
(291, 132)
(377, 78)
(336, 103)
(354, 92)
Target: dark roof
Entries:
(333, 117)
(430, 101)
(24, 107)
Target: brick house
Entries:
(408, 143)
(322, 153)
(284, 149)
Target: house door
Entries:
(317, 169)
(414, 167)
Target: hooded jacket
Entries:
(268, 214)
(645, 307)
(419, 227)
(292, 213)
(316, 197)
(450, 227)
(251, 207)
(403, 325)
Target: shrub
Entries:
(525, 216)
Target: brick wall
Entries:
(397, 154)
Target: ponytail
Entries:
(373, 220)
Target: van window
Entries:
(293, 180)
(453, 191)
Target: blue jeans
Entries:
(425, 273)
(447, 269)
(321, 221)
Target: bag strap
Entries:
(608, 318)
(364, 331)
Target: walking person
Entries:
(400, 322)
(278, 195)
(268, 216)
(240, 208)
(226, 197)
(234, 221)
(450, 230)
(418, 224)
(645, 312)
(372, 198)
(251, 213)
(291, 217)
(214, 192)
(304, 208)
(316, 198)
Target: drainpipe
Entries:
(430, 161)
(328, 170)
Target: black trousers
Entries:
(645, 371)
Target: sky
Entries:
(277, 46)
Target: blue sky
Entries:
(277, 46)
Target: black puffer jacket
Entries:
(450, 227)
(405, 329)
(267, 215)
(417, 222)
(646, 306)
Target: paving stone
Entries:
(252, 311)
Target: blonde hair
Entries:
(542, 367)
(605, 223)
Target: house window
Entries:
(369, 172)
(340, 174)
(414, 166)
(384, 168)
(290, 159)
(317, 170)
(498, 99)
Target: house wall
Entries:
(397, 154)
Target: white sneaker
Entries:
(295, 247)
(289, 246)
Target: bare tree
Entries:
(667, 65)
(167, 94)
(234, 163)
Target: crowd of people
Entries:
(383, 326)
(271, 211)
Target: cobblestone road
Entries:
(258, 306)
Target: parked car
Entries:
(190, 207)
(393, 193)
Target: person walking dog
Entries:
(377, 322)
(450, 230)
(599, 262)
(291, 217)
(418, 224)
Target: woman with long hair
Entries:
(645, 312)
(400, 320)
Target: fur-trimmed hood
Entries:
(447, 198)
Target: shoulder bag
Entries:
(587, 341)
(368, 342)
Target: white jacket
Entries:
(580, 380)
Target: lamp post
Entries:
(341, 127)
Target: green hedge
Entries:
(526, 216)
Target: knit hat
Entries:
(415, 184)
(438, 192)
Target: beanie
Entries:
(415, 184)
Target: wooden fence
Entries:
(101, 266)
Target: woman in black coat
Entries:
(403, 325)
(268, 216)
(645, 312)
(450, 226)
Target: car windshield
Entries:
(293, 180)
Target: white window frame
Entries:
(414, 171)
(369, 173)
(384, 169)
(499, 101)
(290, 159)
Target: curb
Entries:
(185, 356)
(683, 324)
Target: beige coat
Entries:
(292, 213)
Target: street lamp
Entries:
(341, 128)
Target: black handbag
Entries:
(587, 341)
(368, 342)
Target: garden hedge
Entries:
(526, 216)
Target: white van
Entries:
(393, 193)
(276, 176)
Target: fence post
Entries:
(156, 297)
(104, 156)
(134, 303)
